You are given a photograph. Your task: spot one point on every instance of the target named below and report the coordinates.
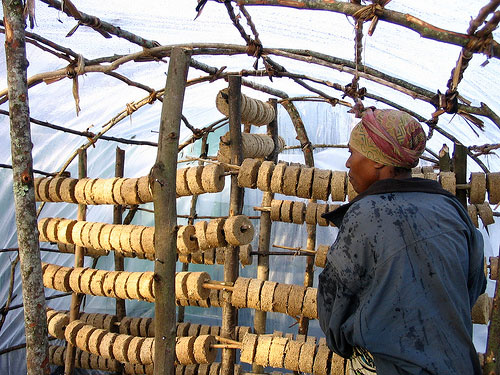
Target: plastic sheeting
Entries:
(391, 49)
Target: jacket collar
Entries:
(389, 185)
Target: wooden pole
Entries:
(121, 311)
(35, 324)
(163, 175)
(460, 169)
(231, 263)
(76, 299)
(259, 321)
(493, 347)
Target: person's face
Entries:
(362, 171)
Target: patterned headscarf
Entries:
(389, 137)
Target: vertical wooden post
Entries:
(231, 263)
(163, 176)
(121, 312)
(460, 169)
(259, 321)
(35, 323)
(444, 159)
(76, 299)
(491, 358)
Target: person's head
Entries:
(384, 144)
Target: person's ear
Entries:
(378, 165)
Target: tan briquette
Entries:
(306, 358)
(267, 295)
(472, 211)
(104, 236)
(134, 326)
(48, 275)
(76, 233)
(61, 279)
(184, 258)
(144, 190)
(148, 242)
(55, 188)
(241, 331)
(83, 335)
(125, 244)
(320, 210)
(203, 351)
(48, 228)
(338, 186)
(197, 257)
(193, 330)
(295, 300)
(195, 289)
(215, 368)
(248, 173)
(212, 178)
(205, 329)
(239, 296)
(310, 309)
(209, 256)
(120, 347)
(320, 257)
(67, 190)
(286, 211)
(338, 365)
(72, 329)
(321, 184)
(200, 229)
(182, 329)
(117, 191)
(238, 230)
(277, 352)
(129, 191)
(135, 241)
(448, 181)
(57, 325)
(186, 240)
(291, 180)
(85, 280)
(181, 291)
(264, 176)
(248, 348)
(351, 193)
(109, 283)
(276, 209)
(184, 350)
(482, 309)
(305, 183)
(311, 213)
(262, 351)
(245, 255)
(277, 178)
(102, 190)
(121, 285)
(43, 189)
(182, 188)
(193, 176)
(280, 298)
(74, 279)
(85, 234)
(477, 190)
(215, 233)
(99, 318)
(493, 186)
(220, 255)
(144, 326)
(94, 235)
(292, 355)
(109, 323)
(485, 213)
(147, 351)
(133, 286)
(88, 193)
(298, 212)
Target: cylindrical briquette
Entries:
(182, 188)
(277, 352)
(338, 186)
(212, 178)
(186, 240)
(67, 190)
(280, 298)
(184, 350)
(306, 359)
(298, 212)
(120, 347)
(477, 190)
(194, 283)
(310, 309)
(203, 351)
(493, 187)
(320, 257)
(74, 279)
(304, 185)
(286, 211)
(295, 300)
(193, 176)
(320, 210)
(262, 351)
(276, 209)
(264, 176)
(321, 184)
(215, 233)
(239, 295)
(238, 230)
(321, 360)
(292, 355)
(311, 213)
(277, 178)
(267, 295)
(248, 347)
(291, 180)
(248, 173)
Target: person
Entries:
(407, 265)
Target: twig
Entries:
(5, 308)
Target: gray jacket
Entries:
(401, 279)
